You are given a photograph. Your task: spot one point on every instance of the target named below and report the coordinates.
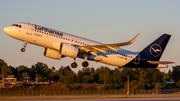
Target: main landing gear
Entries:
(23, 49)
(74, 64)
(84, 64)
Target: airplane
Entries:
(58, 44)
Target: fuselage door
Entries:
(30, 29)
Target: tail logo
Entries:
(155, 50)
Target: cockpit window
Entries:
(16, 25)
(13, 24)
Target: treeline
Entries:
(139, 78)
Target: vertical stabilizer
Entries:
(156, 48)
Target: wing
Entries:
(95, 48)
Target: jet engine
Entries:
(51, 53)
(68, 50)
(162, 66)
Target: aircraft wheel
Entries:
(85, 64)
(74, 65)
(22, 49)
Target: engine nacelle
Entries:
(68, 50)
(51, 53)
(162, 66)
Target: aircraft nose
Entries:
(6, 30)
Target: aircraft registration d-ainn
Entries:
(58, 45)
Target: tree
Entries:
(79, 76)
(125, 72)
(42, 70)
(169, 73)
(117, 77)
(25, 74)
(176, 73)
(14, 71)
(86, 79)
(21, 70)
(178, 83)
(4, 70)
(106, 75)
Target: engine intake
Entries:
(51, 53)
(68, 50)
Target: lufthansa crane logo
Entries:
(155, 50)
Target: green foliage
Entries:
(33, 87)
(140, 85)
(66, 79)
(86, 79)
(25, 74)
(112, 87)
(23, 71)
(66, 87)
(75, 87)
(139, 78)
(178, 83)
(102, 87)
(4, 69)
(176, 73)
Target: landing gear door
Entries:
(137, 60)
(30, 29)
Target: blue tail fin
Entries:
(156, 48)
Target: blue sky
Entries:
(109, 21)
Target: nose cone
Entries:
(9, 30)
(6, 30)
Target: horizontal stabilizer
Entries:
(160, 62)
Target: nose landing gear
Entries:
(23, 49)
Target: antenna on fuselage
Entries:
(31, 22)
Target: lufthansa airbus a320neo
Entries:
(58, 44)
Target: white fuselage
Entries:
(48, 38)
